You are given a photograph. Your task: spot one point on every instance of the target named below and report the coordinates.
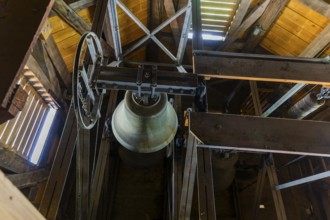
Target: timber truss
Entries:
(206, 131)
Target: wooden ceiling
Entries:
(67, 38)
(294, 30)
(297, 26)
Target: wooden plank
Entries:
(77, 22)
(58, 61)
(286, 40)
(175, 27)
(81, 4)
(206, 202)
(83, 174)
(308, 13)
(262, 69)
(271, 135)
(58, 174)
(265, 22)
(71, 17)
(301, 21)
(23, 23)
(297, 28)
(275, 48)
(28, 179)
(17, 104)
(14, 205)
(38, 72)
(248, 22)
(239, 16)
(12, 162)
(103, 157)
(188, 181)
(318, 44)
(320, 6)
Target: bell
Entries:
(144, 125)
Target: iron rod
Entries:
(283, 99)
(133, 17)
(303, 180)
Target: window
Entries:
(27, 132)
(217, 16)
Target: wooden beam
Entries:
(264, 23)
(261, 68)
(256, 134)
(175, 27)
(71, 17)
(28, 179)
(239, 16)
(23, 23)
(76, 6)
(81, 4)
(58, 61)
(247, 23)
(83, 172)
(13, 204)
(14, 163)
(34, 66)
(206, 202)
(58, 174)
(318, 44)
(103, 157)
(76, 22)
(17, 104)
(321, 6)
(51, 73)
(188, 181)
(197, 41)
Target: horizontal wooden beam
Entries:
(28, 179)
(262, 68)
(13, 162)
(256, 134)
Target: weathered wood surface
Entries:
(14, 205)
(318, 44)
(83, 174)
(175, 27)
(264, 23)
(262, 69)
(76, 22)
(255, 134)
(103, 157)
(17, 104)
(23, 23)
(29, 179)
(71, 17)
(239, 16)
(58, 61)
(296, 27)
(14, 163)
(58, 174)
(246, 24)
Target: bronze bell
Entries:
(144, 125)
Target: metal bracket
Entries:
(139, 79)
(153, 80)
(324, 93)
